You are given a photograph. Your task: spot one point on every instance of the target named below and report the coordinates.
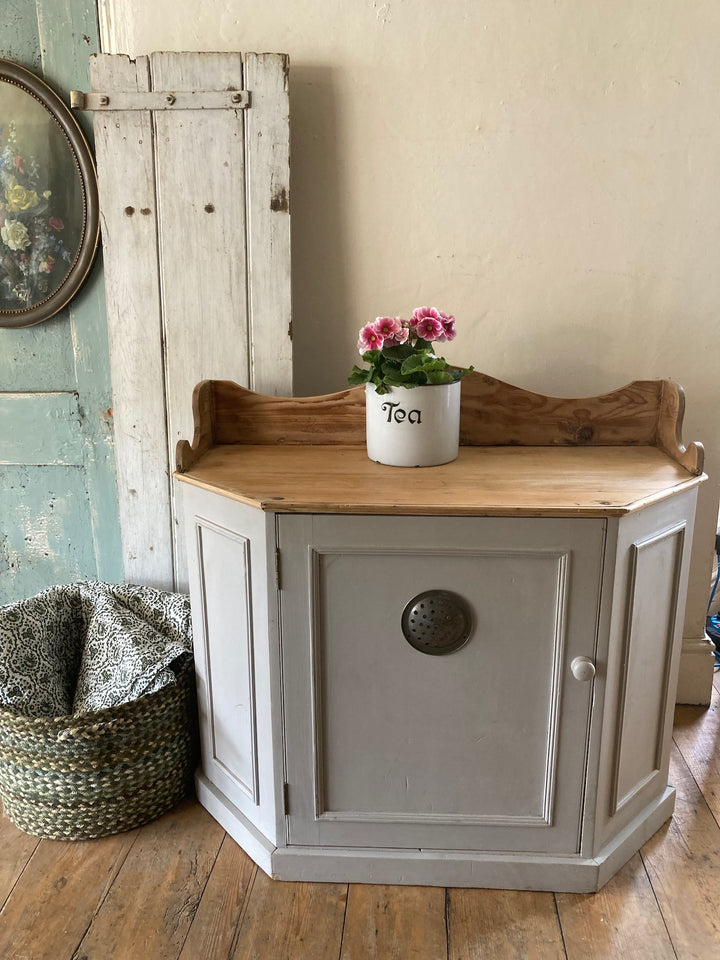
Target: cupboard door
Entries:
(480, 748)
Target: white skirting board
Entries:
(697, 663)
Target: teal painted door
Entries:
(58, 497)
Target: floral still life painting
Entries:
(35, 257)
(43, 203)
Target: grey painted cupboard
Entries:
(459, 675)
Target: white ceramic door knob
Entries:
(583, 668)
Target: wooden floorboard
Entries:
(683, 863)
(292, 921)
(158, 888)
(697, 735)
(384, 921)
(217, 922)
(622, 920)
(503, 925)
(61, 890)
(181, 889)
(17, 848)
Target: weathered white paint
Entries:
(196, 237)
(134, 333)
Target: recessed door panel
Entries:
(229, 742)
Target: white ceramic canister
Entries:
(417, 427)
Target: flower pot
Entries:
(418, 427)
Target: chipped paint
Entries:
(41, 428)
(280, 201)
(58, 508)
(47, 529)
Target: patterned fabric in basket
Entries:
(87, 646)
(98, 719)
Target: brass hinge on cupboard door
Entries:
(286, 799)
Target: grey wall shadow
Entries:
(319, 234)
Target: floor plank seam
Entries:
(699, 788)
(202, 894)
(659, 907)
(17, 878)
(560, 926)
(117, 867)
(447, 923)
(243, 909)
(342, 929)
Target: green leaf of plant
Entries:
(359, 376)
(440, 376)
(413, 362)
(372, 356)
(399, 352)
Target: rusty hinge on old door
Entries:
(286, 798)
(161, 100)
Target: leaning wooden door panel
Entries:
(479, 748)
(194, 193)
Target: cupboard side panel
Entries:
(643, 655)
(655, 565)
(229, 740)
(236, 657)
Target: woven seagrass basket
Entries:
(95, 774)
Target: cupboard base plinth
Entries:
(436, 868)
(245, 834)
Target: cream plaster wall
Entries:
(547, 171)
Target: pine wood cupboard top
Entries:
(521, 453)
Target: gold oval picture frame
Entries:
(49, 210)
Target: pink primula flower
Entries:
(388, 327)
(370, 338)
(448, 322)
(426, 323)
(403, 333)
(56, 223)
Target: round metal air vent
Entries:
(437, 622)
